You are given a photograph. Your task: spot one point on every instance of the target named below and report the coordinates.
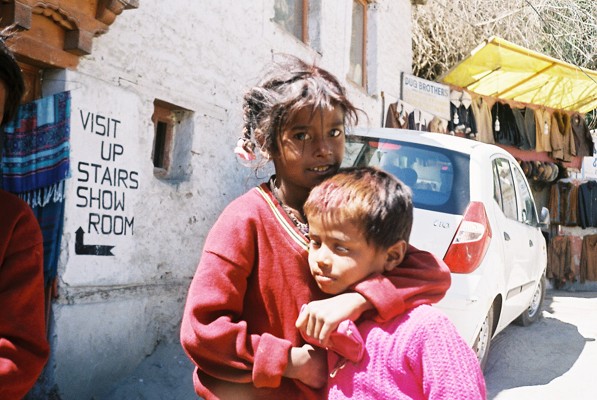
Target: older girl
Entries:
(239, 320)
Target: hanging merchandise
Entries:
(588, 259)
(525, 122)
(419, 120)
(438, 125)
(543, 129)
(539, 171)
(559, 260)
(467, 117)
(462, 121)
(587, 204)
(402, 115)
(563, 203)
(505, 130)
(36, 164)
(482, 113)
(454, 122)
(397, 116)
(582, 136)
(562, 140)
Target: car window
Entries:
(526, 205)
(504, 188)
(439, 178)
(353, 152)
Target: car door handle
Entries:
(506, 236)
(530, 243)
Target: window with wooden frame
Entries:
(293, 16)
(163, 120)
(358, 44)
(172, 142)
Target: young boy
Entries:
(359, 224)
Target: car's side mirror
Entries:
(544, 218)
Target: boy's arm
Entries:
(421, 278)
(320, 318)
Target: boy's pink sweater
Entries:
(417, 355)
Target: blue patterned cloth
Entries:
(36, 145)
(35, 164)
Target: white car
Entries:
(472, 207)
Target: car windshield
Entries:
(439, 178)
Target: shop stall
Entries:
(535, 107)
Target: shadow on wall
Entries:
(533, 355)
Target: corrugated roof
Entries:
(504, 70)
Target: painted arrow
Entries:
(90, 249)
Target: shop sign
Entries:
(425, 95)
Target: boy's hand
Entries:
(308, 365)
(321, 317)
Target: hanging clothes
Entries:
(454, 125)
(397, 116)
(36, 161)
(504, 125)
(438, 125)
(417, 121)
(582, 136)
(563, 203)
(588, 259)
(467, 116)
(562, 140)
(482, 113)
(463, 119)
(543, 130)
(559, 259)
(587, 204)
(525, 123)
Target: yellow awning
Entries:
(501, 69)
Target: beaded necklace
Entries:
(302, 226)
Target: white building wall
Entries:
(201, 56)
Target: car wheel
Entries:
(483, 341)
(533, 313)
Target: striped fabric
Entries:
(36, 145)
(35, 164)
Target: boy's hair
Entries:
(372, 199)
(12, 77)
(289, 86)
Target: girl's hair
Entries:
(289, 86)
(373, 200)
(11, 76)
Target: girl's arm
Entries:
(216, 338)
(421, 278)
(216, 332)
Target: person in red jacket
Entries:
(239, 324)
(24, 347)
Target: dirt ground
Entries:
(555, 358)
